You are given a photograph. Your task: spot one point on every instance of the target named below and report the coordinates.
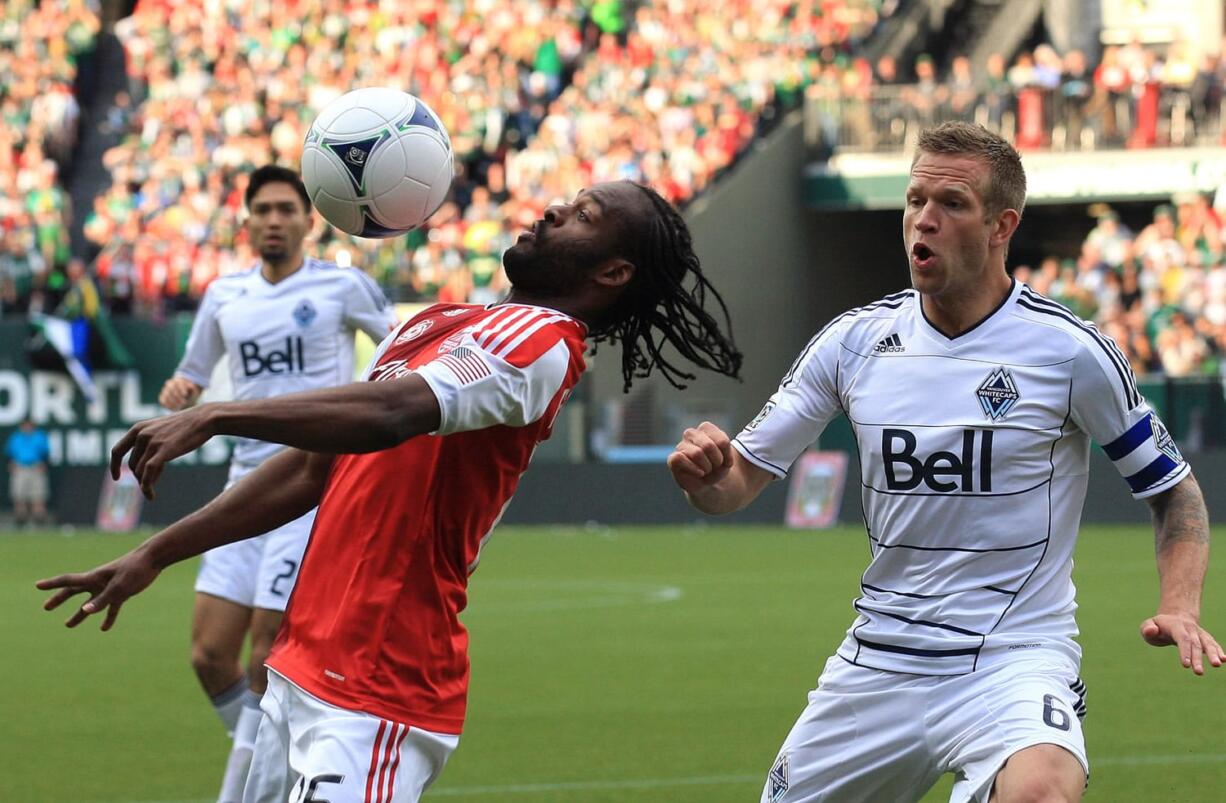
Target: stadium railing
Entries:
(889, 118)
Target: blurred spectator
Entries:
(41, 44)
(27, 451)
(1160, 294)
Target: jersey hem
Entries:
(452, 726)
(771, 468)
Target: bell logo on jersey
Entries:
(937, 470)
(286, 360)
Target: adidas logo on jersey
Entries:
(890, 345)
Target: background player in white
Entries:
(285, 325)
(973, 401)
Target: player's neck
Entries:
(954, 314)
(275, 271)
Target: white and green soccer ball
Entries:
(377, 162)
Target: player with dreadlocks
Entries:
(411, 470)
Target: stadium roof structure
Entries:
(878, 181)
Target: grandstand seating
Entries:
(543, 97)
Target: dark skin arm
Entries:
(363, 417)
(1181, 544)
(351, 419)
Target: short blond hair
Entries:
(1006, 184)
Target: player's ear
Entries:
(615, 273)
(1003, 227)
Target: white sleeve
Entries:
(1107, 406)
(476, 389)
(793, 418)
(366, 308)
(205, 345)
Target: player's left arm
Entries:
(1181, 542)
(350, 419)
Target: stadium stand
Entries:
(538, 104)
(542, 98)
(41, 45)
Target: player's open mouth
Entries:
(532, 233)
(922, 256)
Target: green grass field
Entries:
(627, 664)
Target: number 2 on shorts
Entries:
(291, 566)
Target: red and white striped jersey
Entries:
(373, 623)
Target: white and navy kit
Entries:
(280, 338)
(283, 338)
(974, 454)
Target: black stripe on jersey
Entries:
(753, 458)
(1051, 462)
(963, 495)
(864, 585)
(893, 301)
(875, 645)
(961, 548)
(879, 590)
(1036, 303)
(870, 612)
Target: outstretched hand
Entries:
(1183, 631)
(109, 586)
(157, 441)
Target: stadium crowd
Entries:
(41, 44)
(1160, 293)
(540, 98)
(1135, 97)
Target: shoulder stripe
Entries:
(505, 351)
(1105, 342)
(889, 302)
(1035, 304)
(503, 329)
(494, 323)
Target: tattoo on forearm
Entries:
(1180, 515)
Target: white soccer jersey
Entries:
(974, 455)
(283, 338)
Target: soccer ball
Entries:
(377, 162)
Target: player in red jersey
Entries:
(411, 470)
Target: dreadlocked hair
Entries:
(658, 307)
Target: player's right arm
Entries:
(205, 347)
(713, 475)
(179, 393)
(722, 475)
(283, 488)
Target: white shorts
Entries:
(869, 735)
(308, 750)
(259, 572)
